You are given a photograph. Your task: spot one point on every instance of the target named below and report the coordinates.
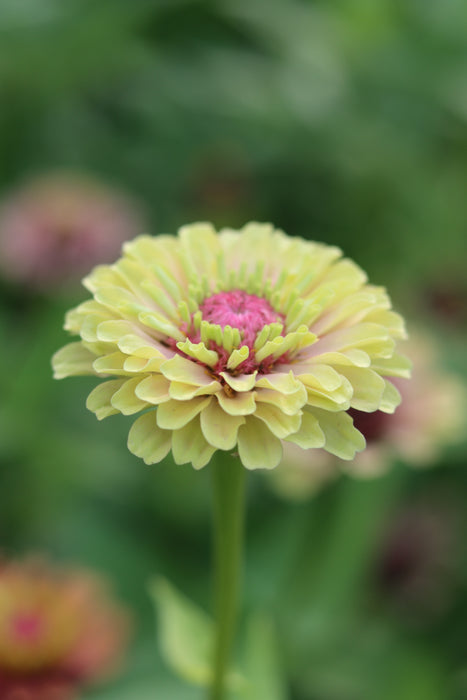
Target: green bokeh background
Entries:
(344, 122)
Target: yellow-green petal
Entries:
(310, 433)
(99, 400)
(242, 404)
(285, 383)
(257, 446)
(142, 365)
(173, 415)
(189, 445)
(126, 400)
(278, 422)
(184, 392)
(147, 440)
(219, 428)
(240, 382)
(111, 364)
(342, 438)
(73, 360)
(179, 369)
(132, 344)
(395, 366)
(154, 389)
(391, 398)
(288, 403)
(368, 388)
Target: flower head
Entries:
(59, 630)
(55, 227)
(236, 340)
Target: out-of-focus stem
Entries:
(228, 517)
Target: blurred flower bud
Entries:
(55, 227)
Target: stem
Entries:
(228, 515)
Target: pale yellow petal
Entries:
(179, 369)
(320, 376)
(147, 440)
(310, 434)
(342, 438)
(111, 331)
(73, 360)
(183, 392)
(349, 311)
(111, 364)
(242, 404)
(101, 276)
(173, 415)
(189, 445)
(333, 401)
(154, 389)
(353, 357)
(132, 344)
(391, 320)
(285, 383)
(241, 382)
(278, 422)
(368, 388)
(257, 446)
(75, 318)
(395, 366)
(142, 365)
(200, 246)
(125, 399)
(370, 337)
(99, 400)
(219, 428)
(391, 398)
(158, 323)
(288, 403)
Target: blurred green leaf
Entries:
(185, 633)
(263, 664)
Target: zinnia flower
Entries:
(55, 227)
(430, 417)
(235, 341)
(59, 631)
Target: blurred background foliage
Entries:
(344, 122)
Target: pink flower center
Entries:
(241, 310)
(27, 627)
(247, 313)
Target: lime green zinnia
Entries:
(235, 340)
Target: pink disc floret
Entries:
(238, 309)
(247, 313)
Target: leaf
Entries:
(186, 636)
(186, 633)
(262, 665)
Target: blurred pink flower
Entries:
(53, 228)
(59, 631)
(430, 416)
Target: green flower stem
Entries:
(228, 478)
